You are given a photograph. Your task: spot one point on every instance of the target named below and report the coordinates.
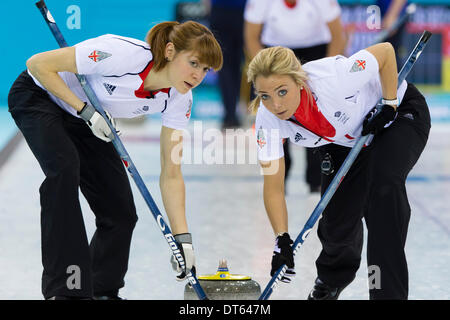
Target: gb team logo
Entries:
(188, 113)
(261, 138)
(359, 65)
(97, 55)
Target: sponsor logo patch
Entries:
(342, 117)
(299, 137)
(109, 87)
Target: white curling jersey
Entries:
(295, 26)
(344, 90)
(116, 67)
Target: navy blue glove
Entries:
(380, 119)
(283, 254)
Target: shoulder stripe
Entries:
(165, 106)
(130, 73)
(138, 45)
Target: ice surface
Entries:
(227, 219)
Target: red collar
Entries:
(310, 117)
(290, 5)
(145, 94)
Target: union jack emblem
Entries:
(97, 55)
(188, 113)
(260, 138)
(359, 65)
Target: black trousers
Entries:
(231, 39)
(71, 157)
(374, 189)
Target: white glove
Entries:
(184, 242)
(97, 123)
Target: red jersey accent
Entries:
(290, 5)
(141, 93)
(349, 137)
(309, 115)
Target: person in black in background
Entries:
(226, 22)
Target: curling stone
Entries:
(225, 286)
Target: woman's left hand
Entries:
(283, 255)
(375, 122)
(184, 243)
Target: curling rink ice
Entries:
(227, 219)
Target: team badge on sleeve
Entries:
(359, 65)
(261, 138)
(188, 113)
(97, 55)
